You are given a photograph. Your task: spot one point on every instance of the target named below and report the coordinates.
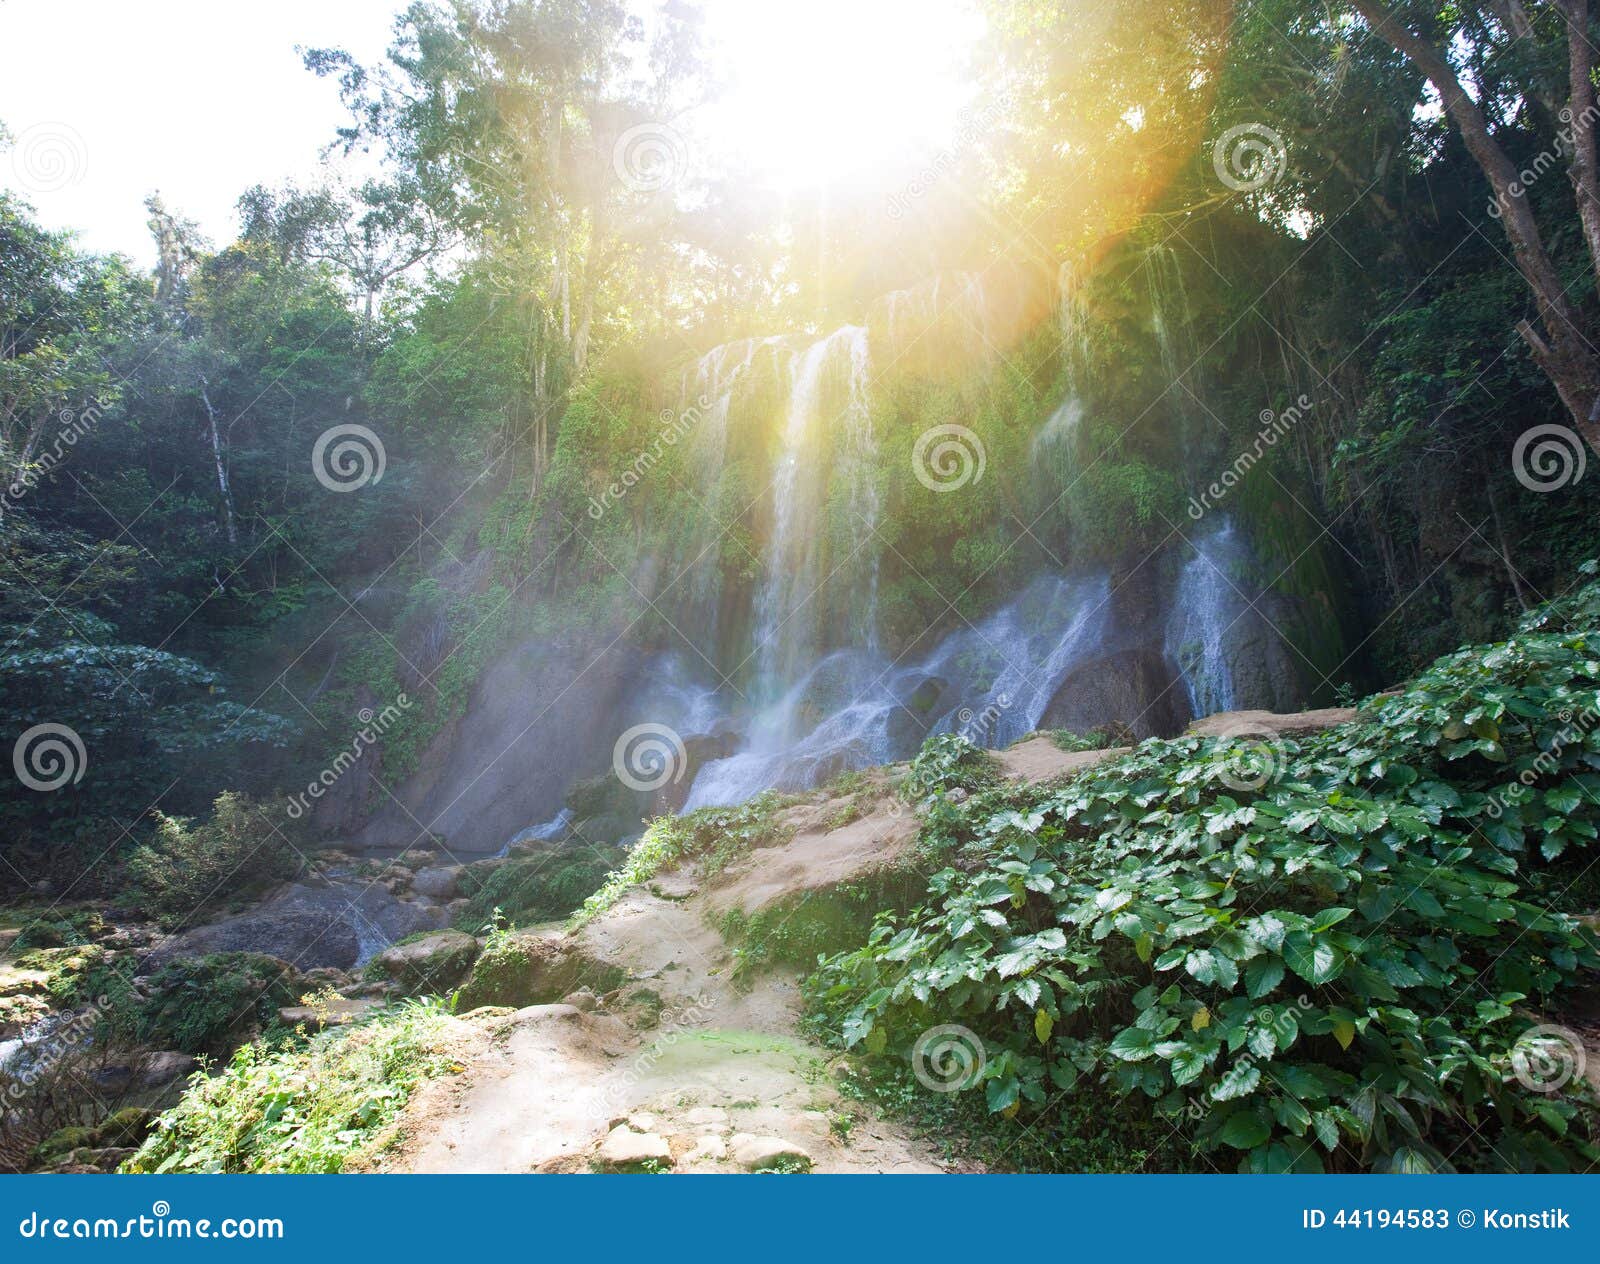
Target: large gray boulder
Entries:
(433, 963)
(305, 938)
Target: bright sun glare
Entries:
(821, 90)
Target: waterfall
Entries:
(1058, 436)
(991, 681)
(785, 604)
(1205, 608)
(859, 454)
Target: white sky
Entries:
(199, 100)
(110, 100)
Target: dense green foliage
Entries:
(1320, 952)
(201, 1005)
(186, 870)
(300, 1109)
(532, 889)
(712, 837)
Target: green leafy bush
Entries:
(950, 761)
(714, 836)
(1330, 952)
(301, 1109)
(203, 1004)
(532, 889)
(186, 869)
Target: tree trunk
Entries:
(222, 468)
(1581, 107)
(1562, 353)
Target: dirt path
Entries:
(684, 1066)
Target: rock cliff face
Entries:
(536, 723)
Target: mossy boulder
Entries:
(530, 968)
(431, 964)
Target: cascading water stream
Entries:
(992, 681)
(785, 607)
(1205, 607)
